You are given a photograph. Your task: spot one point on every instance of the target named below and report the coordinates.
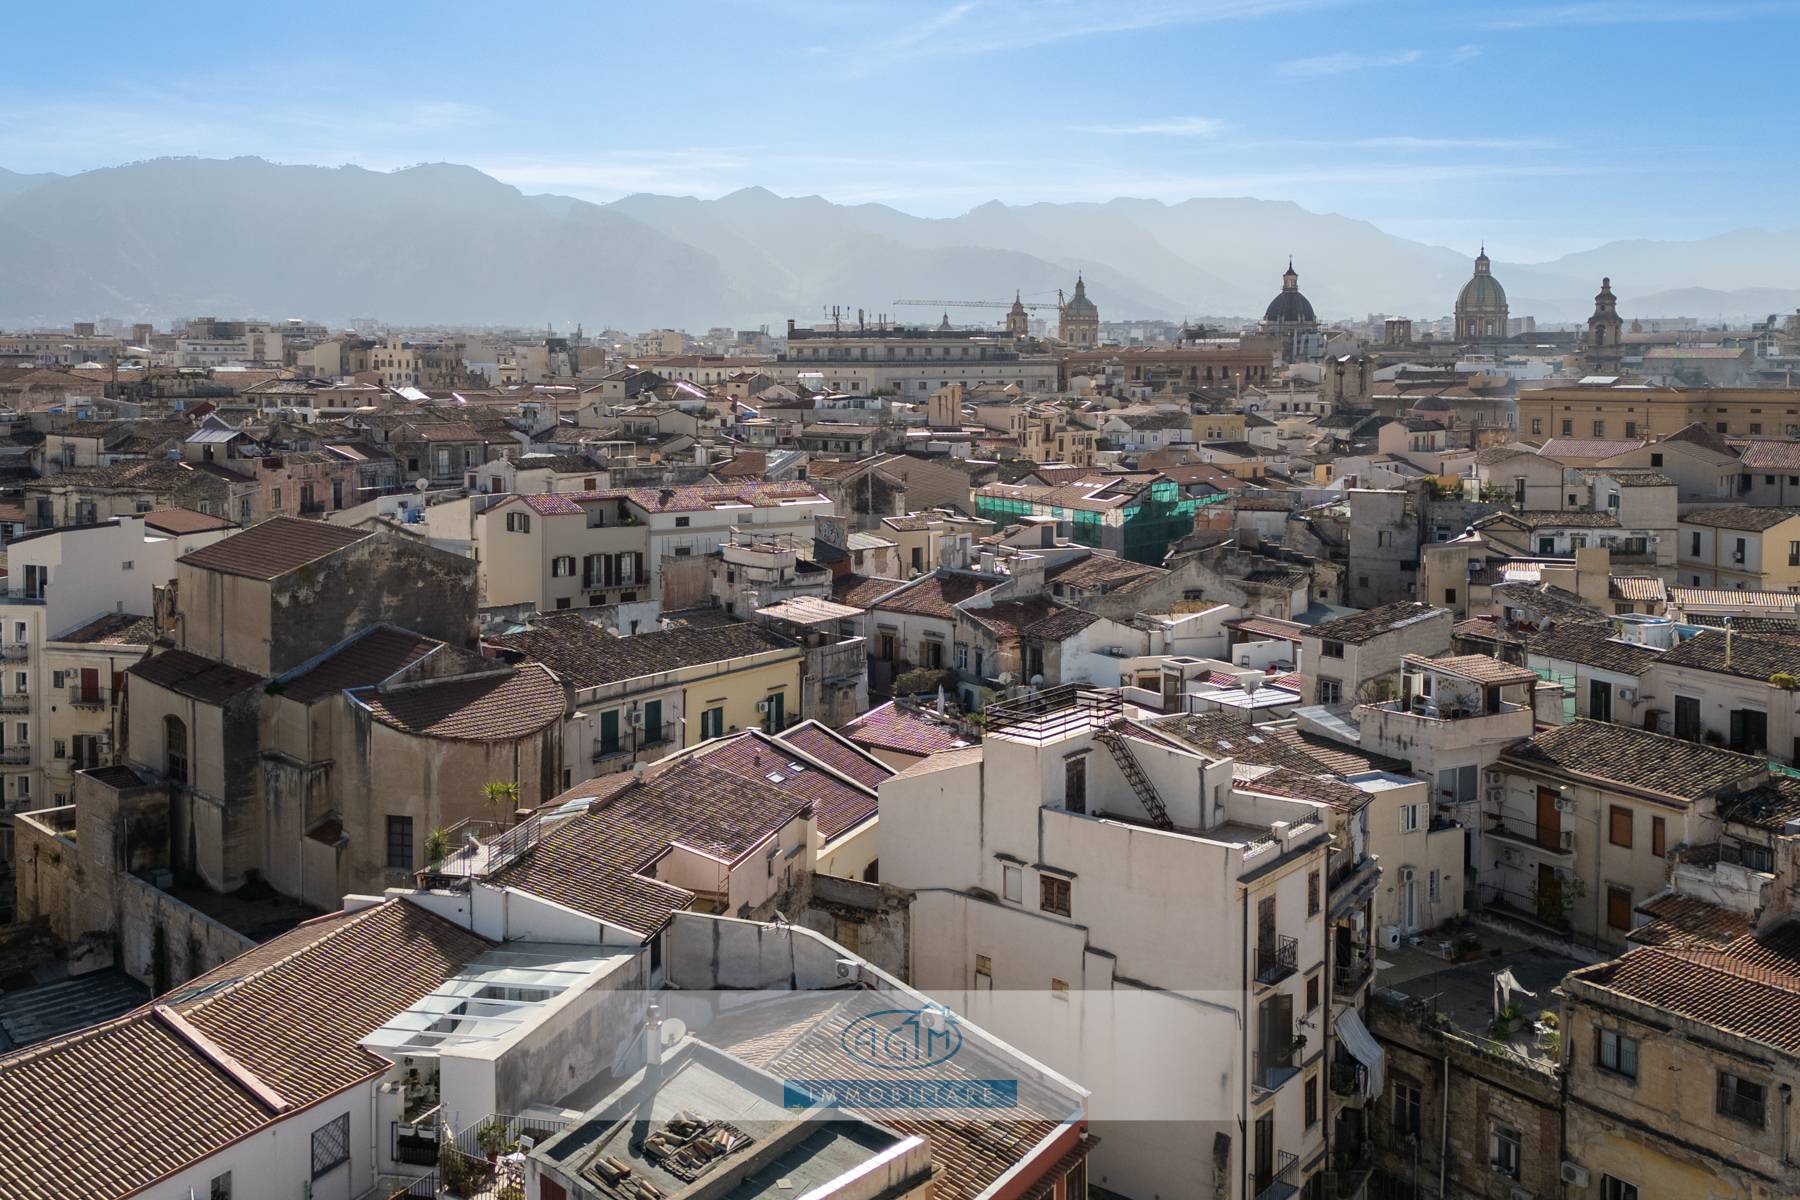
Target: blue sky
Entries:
(1542, 127)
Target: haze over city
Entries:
(950, 600)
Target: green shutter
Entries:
(652, 721)
(609, 731)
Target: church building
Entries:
(1481, 306)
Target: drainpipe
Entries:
(1244, 1038)
(1444, 1126)
(1787, 1100)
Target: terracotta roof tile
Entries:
(198, 678)
(838, 805)
(904, 730)
(1745, 655)
(860, 591)
(587, 656)
(274, 548)
(114, 629)
(1364, 626)
(1592, 644)
(836, 752)
(1734, 990)
(497, 706)
(1738, 516)
(184, 520)
(934, 595)
(381, 651)
(1633, 759)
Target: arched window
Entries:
(175, 749)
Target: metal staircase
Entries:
(1110, 737)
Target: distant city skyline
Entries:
(1541, 128)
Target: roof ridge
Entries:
(344, 921)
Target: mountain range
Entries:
(446, 244)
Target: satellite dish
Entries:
(673, 1030)
(421, 484)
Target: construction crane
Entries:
(1006, 304)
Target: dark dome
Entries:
(1291, 308)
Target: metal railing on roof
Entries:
(476, 858)
(1049, 714)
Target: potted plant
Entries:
(503, 795)
(437, 846)
(493, 1141)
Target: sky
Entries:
(1537, 127)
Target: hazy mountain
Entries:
(444, 243)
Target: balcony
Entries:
(1400, 729)
(1267, 1076)
(15, 651)
(18, 702)
(94, 697)
(638, 741)
(1349, 1079)
(1551, 843)
(1349, 975)
(15, 754)
(1276, 962)
(1280, 1182)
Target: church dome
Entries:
(1291, 308)
(1079, 305)
(1483, 291)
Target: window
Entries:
(220, 1189)
(653, 722)
(1537, 425)
(518, 522)
(1631, 429)
(1617, 1189)
(562, 565)
(399, 843)
(1568, 429)
(1312, 1100)
(1616, 1053)
(1013, 882)
(1694, 545)
(683, 522)
(1503, 1151)
(128, 565)
(1075, 783)
(984, 965)
(175, 749)
(1599, 428)
(1329, 649)
(1384, 537)
(609, 732)
(775, 712)
(1658, 837)
(1449, 595)
(1409, 818)
(1756, 428)
(1432, 885)
(712, 723)
(1656, 460)
(1618, 907)
(1406, 1108)
(1741, 1099)
(1059, 989)
(331, 1146)
(1756, 858)
(1312, 991)
(1312, 894)
(1330, 691)
(1053, 895)
(1619, 826)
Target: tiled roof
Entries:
(497, 706)
(587, 656)
(1637, 588)
(1363, 626)
(1223, 735)
(836, 752)
(1681, 597)
(1677, 920)
(114, 629)
(109, 1110)
(1592, 644)
(590, 861)
(1544, 600)
(1787, 627)
(274, 548)
(1771, 455)
(693, 497)
(1477, 668)
(1770, 806)
(1698, 434)
(1736, 990)
(1625, 478)
(1557, 519)
(1268, 627)
(184, 520)
(1633, 758)
(1738, 516)
(838, 805)
(198, 678)
(904, 730)
(1483, 629)
(1746, 655)
(935, 595)
(1284, 781)
(1595, 448)
(1104, 574)
(1035, 616)
(380, 652)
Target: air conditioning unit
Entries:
(1568, 839)
(1357, 920)
(1493, 775)
(637, 718)
(762, 706)
(1564, 804)
(1627, 694)
(1407, 874)
(1496, 795)
(1520, 1193)
(1573, 1174)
